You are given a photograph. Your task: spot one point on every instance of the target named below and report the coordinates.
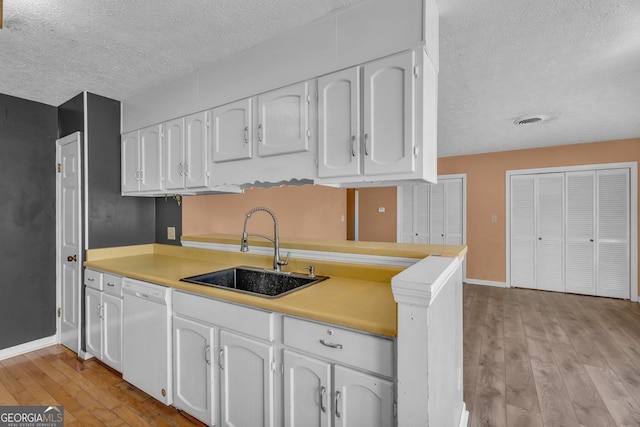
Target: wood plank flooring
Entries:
(534, 358)
(531, 358)
(92, 394)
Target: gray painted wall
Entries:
(168, 214)
(28, 131)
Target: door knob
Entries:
(72, 258)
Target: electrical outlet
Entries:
(494, 218)
(381, 209)
(171, 233)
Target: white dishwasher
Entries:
(146, 352)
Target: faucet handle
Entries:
(286, 260)
(312, 270)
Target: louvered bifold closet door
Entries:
(613, 233)
(550, 231)
(408, 204)
(453, 211)
(422, 213)
(437, 223)
(523, 231)
(580, 246)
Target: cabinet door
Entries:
(613, 263)
(173, 154)
(196, 148)
(580, 243)
(192, 375)
(362, 399)
(93, 319)
(112, 331)
(233, 131)
(130, 163)
(550, 232)
(339, 120)
(246, 381)
(150, 159)
(307, 391)
(388, 115)
(283, 120)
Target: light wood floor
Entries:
(534, 358)
(531, 358)
(92, 395)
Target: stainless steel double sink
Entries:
(256, 281)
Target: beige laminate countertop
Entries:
(354, 296)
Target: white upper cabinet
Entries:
(339, 120)
(185, 153)
(376, 122)
(142, 161)
(233, 131)
(389, 115)
(283, 120)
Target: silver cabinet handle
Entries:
(323, 391)
(111, 285)
(366, 144)
(99, 308)
(90, 279)
(260, 132)
(180, 169)
(353, 145)
(220, 357)
(246, 134)
(186, 168)
(330, 344)
(338, 396)
(206, 354)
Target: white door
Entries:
(362, 399)
(150, 158)
(246, 381)
(339, 120)
(69, 238)
(406, 216)
(307, 391)
(283, 120)
(523, 231)
(130, 163)
(174, 167)
(192, 375)
(550, 232)
(93, 322)
(580, 231)
(453, 207)
(613, 262)
(422, 213)
(196, 148)
(388, 115)
(437, 214)
(233, 131)
(112, 331)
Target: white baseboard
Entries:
(486, 283)
(464, 417)
(27, 347)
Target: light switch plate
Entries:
(171, 233)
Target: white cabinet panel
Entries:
(388, 116)
(193, 350)
(93, 319)
(362, 399)
(283, 120)
(339, 120)
(246, 381)
(112, 331)
(196, 149)
(307, 391)
(130, 163)
(150, 159)
(233, 131)
(173, 154)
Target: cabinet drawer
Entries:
(112, 284)
(93, 279)
(250, 321)
(358, 349)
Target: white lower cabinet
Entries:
(246, 390)
(320, 390)
(193, 376)
(103, 317)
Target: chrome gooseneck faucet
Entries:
(244, 244)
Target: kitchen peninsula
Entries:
(401, 303)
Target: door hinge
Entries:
(308, 98)
(59, 167)
(59, 311)
(317, 96)
(308, 133)
(416, 71)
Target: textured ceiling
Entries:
(576, 61)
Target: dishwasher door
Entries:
(146, 358)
